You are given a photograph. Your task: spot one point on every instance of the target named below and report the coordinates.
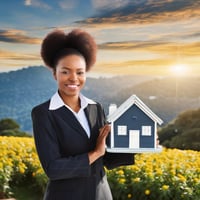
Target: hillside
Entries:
(183, 133)
(21, 90)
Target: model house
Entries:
(133, 127)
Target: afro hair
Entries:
(79, 40)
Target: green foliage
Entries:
(26, 191)
(9, 127)
(8, 124)
(189, 139)
(183, 133)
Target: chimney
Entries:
(112, 108)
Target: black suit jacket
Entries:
(63, 145)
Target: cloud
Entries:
(67, 4)
(129, 45)
(134, 45)
(159, 48)
(37, 4)
(9, 55)
(137, 67)
(144, 12)
(111, 4)
(10, 60)
(17, 36)
(27, 3)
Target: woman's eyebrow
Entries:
(63, 67)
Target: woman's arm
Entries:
(55, 166)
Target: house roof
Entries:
(127, 104)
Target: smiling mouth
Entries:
(71, 86)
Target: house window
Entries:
(146, 130)
(122, 130)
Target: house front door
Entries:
(134, 139)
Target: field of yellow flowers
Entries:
(18, 162)
(170, 175)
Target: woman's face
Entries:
(70, 75)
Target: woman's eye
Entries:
(64, 72)
(80, 73)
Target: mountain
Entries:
(21, 90)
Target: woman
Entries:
(70, 130)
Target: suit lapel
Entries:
(91, 114)
(71, 120)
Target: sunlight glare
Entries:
(179, 70)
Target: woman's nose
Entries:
(73, 77)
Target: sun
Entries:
(179, 70)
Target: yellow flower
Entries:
(121, 172)
(1, 166)
(129, 196)
(122, 180)
(196, 180)
(147, 192)
(135, 167)
(21, 170)
(172, 171)
(159, 172)
(136, 180)
(33, 174)
(165, 187)
(181, 178)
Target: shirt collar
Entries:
(57, 102)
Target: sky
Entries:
(139, 37)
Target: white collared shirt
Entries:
(57, 102)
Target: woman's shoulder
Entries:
(41, 107)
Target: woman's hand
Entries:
(100, 145)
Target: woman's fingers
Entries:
(105, 131)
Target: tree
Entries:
(9, 127)
(188, 140)
(8, 124)
(183, 133)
